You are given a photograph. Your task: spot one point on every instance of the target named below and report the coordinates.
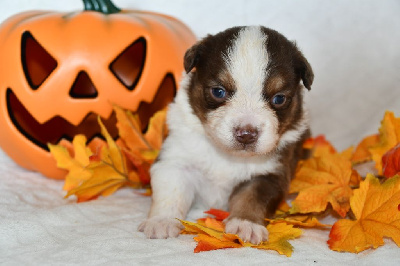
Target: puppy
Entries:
(236, 130)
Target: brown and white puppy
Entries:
(236, 131)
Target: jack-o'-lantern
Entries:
(59, 71)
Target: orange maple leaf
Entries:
(219, 215)
(211, 236)
(391, 162)
(362, 153)
(319, 146)
(109, 171)
(376, 208)
(214, 223)
(141, 148)
(102, 173)
(308, 221)
(91, 175)
(389, 136)
(322, 180)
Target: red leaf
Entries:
(391, 162)
(219, 214)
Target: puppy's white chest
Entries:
(217, 174)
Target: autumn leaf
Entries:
(282, 215)
(361, 153)
(102, 173)
(214, 223)
(104, 181)
(278, 239)
(108, 171)
(389, 136)
(146, 144)
(376, 208)
(76, 166)
(196, 228)
(219, 215)
(307, 221)
(319, 146)
(391, 162)
(282, 210)
(157, 130)
(207, 243)
(142, 166)
(129, 129)
(91, 175)
(211, 236)
(142, 148)
(322, 180)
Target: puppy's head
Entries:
(245, 88)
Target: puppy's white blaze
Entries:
(247, 60)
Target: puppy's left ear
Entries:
(304, 69)
(192, 56)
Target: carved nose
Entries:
(83, 87)
(246, 134)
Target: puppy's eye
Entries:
(278, 100)
(218, 93)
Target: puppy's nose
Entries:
(246, 135)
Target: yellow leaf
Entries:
(77, 165)
(91, 175)
(197, 228)
(112, 154)
(322, 180)
(141, 149)
(215, 238)
(279, 236)
(376, 208)
(101, 176)
(307, 221)
(214, 224)
(129, 128)
(157, 130)
(389, 136)
(105, 180)
(361, 153)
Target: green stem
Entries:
(104, 6)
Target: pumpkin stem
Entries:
(104, 6)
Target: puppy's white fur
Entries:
(246, 61)
(193, 168)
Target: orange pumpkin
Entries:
(59, 71)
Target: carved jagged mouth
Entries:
(56, 128)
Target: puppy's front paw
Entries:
(157, 227)
(247, 231)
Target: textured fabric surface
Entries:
(354, 48)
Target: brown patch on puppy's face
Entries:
(246, 88)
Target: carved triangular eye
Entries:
(36, 61)
(128, 65)
(83, 87)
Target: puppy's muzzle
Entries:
(246, 135)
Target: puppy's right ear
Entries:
(191, 57)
